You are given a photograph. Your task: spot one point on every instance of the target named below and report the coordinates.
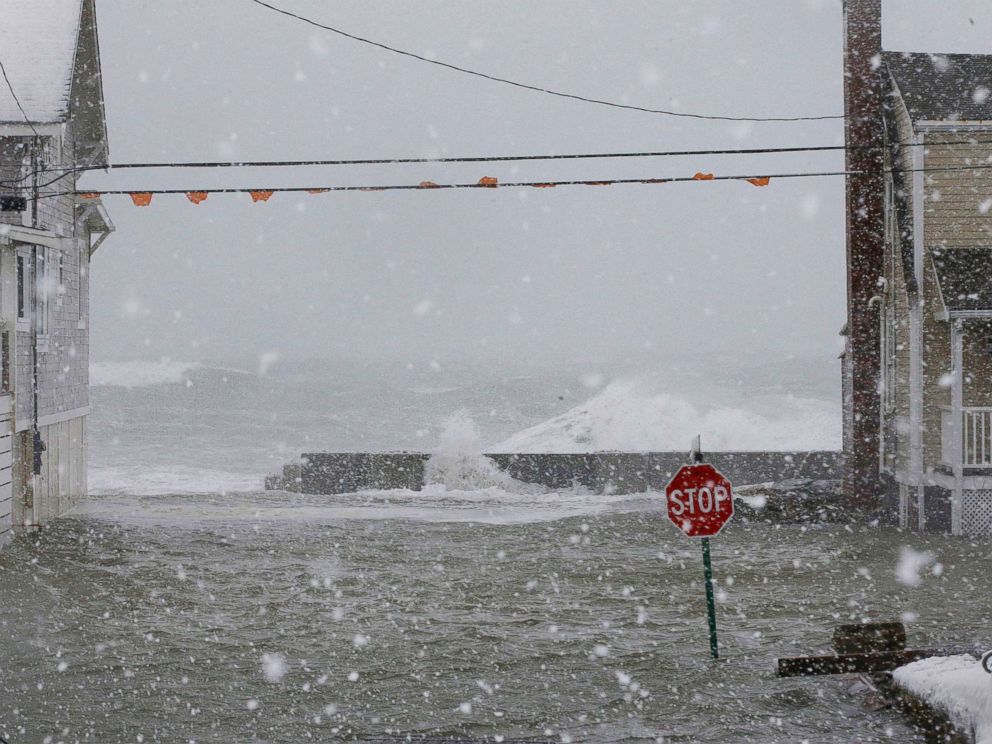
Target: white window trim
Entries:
(24, 284)
(43, 306)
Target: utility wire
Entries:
(538, 89)
(430, 185)
(69, 169)
(17, 100)
(401, 161)
(486, 183)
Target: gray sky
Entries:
(579, 275)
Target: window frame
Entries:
(24, 267)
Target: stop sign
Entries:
(700, 500)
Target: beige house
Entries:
(51, 122)
(935, 293)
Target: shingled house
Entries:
(935, 294)
(51, 121)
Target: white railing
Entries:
(976, 437)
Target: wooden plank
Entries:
(866, 638)
(809, 666)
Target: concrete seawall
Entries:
(619, 472)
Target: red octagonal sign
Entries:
(700, 500)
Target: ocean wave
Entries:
(628, 416)
(433, 504)
(138, 480)
(140, 373)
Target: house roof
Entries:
(38, 49)
(943, 87)
(965, 277)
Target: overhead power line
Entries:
(536, 88)
(70, 169)
(67, 170)
(17, 100)
(492, 183)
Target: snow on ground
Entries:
(627, 416)
(955, 685)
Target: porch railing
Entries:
(976, 437)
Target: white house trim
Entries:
(31, 235)
(946, 481)
(916, 325)
(957, 423)
(55, 418)
(952, 126)
(24, 130)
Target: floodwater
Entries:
(571, 617)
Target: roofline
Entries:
(950, 125)
(21, 129)
(99, 69)
(964, 314)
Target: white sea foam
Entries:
(433, 504)
(627, 415)
(136, 374)
(141, 480)
(458, 464)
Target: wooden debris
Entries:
(871, 663)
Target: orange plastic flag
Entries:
(489, 182)
(257, 196)
(428, 185)
(760, 181)
(317, 191)
(703, 177)
(141, 198)
(90, 195)
(197, 196)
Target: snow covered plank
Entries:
(955, 688)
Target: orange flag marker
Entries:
(760, 181)
(317, 191)
(703, 177)
(260, 196)
(489, 182)
(141, 198)
(428, 185)
(89, 195)
(197, 196)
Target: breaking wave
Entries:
(140, 373)
(628, 416)
(140, 480)
(458, 464)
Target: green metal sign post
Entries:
(700, 502)
(710, 604)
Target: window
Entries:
(25, 289)
(83, 256)
(889, 350)
(43, 289)
(60, 288)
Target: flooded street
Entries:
(287, 618)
